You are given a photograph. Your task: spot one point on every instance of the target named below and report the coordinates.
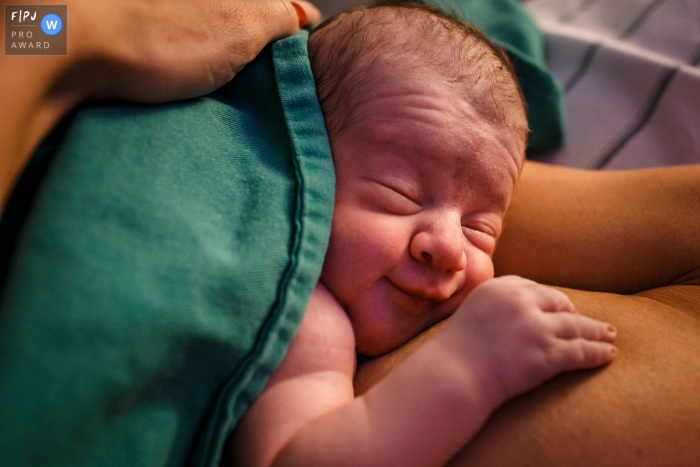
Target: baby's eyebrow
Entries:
(492, 196)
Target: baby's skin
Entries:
(423, 182)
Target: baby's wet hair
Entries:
(346, 47)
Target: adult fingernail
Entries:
(301, 14)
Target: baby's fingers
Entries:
(554, 300)
(582, 353)
(570, 326)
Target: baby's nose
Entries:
(441, 246)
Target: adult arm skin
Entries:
(643, 409)
(621, 232)
(141, 51)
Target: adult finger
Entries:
(570, 326)
(308, 14)
(283, 18)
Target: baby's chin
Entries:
(376, 337)
(368, 348)
(383, 325)
(377, 343)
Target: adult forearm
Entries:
(145, 51)
(30, 108)
(35, 92)
(609, 231)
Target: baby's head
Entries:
(427, 128)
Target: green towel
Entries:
(167, 259)
(163, 270)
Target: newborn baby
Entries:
(427, 128)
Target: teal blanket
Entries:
(168, 255)
(141, 316)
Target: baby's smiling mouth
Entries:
(409, 299)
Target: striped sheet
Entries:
(631, 78)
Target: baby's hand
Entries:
(519, 333)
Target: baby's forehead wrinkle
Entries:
(415, 114)
(385, 85)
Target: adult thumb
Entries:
(288, 17)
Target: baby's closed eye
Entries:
(481, 234)
(393, 199)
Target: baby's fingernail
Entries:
(301, 14)
(611, 329)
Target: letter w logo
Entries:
(51, 24)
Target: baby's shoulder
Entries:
(325, 320)
(325, 340)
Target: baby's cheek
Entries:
(480, 269)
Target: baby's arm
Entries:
(508, 336)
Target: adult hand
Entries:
(139, 50)
(161, 50)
